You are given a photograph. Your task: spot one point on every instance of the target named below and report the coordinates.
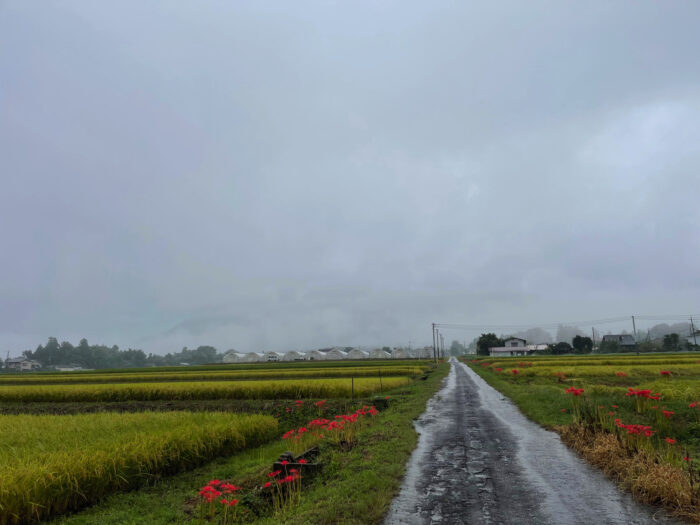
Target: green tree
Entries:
(582, 344)
(670, 343)
(487, 341)
(561, 348)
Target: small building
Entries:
(22, 364)
(253, 357)
(626, 341)
(315, 355)
(356, 353)
(336, 354)
(293, 355)
(378, 353)
(233, 357)
(400, 353)
(513, 346)
(273, 357)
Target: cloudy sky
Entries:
(278, 175)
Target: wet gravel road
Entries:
(480, 461)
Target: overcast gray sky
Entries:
(278, 175)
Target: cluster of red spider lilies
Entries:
(285, 486)
(216, 494)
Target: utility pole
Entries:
(442, 344)
(593, 337)
(692, 330)
(634, 329)
(434, 354)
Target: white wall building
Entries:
(233, 357)
(356, 353)
(293, 355)
(336, 354)
(315, 355)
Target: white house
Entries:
(233, 357)
(356, 353)
(293, 356)
(378, 353)
(273, 356)
(315, 355)
(511, 347)
(22, 364)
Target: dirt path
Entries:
(480, 461)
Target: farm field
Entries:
(59, 461)
(637, 417)
(51, 464)
(213, 374)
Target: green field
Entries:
(638, 424)
(51, 464)
(213, 374)
(186, 390)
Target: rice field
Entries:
(187, 390)
(539, 386)
(54, 464)
(213, 374)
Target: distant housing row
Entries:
(329, 354)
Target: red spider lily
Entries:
(563, 410)
(274, 474)
(299, 402)
(288, 435)
(386, 397)
(643, 393)
(670, 441)
(694, 404)
(665, 372)
(514, 372)
(574, 391)
(686, 458)
(320, 403)
(635, 429)
(611, 413)
(267, 485)
(284, 462)
(214, 483)
(621, 374)
(302, 461)
(231, 503)
(614, 406)
(668, 413)
(228, 488)
(498, 369)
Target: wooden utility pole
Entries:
(634, 329)
(593, 337)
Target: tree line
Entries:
(85, 355)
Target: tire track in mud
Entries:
(480, 461)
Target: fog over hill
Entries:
(300, 175)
